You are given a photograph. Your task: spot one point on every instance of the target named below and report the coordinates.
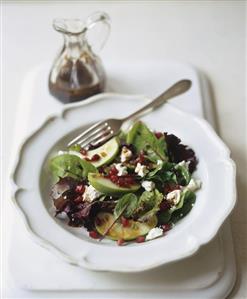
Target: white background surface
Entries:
(208, 34)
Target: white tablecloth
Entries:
(208, 34)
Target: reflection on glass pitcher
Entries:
(77, 72)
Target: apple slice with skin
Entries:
(106, 186)
(106, 152)
(118, 231)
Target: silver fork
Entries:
(106, 129)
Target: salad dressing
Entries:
(77, 72)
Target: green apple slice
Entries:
(134, 229)
(106, 186)
(107, 152)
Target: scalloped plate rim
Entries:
(82, 263)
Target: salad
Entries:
(134, 187)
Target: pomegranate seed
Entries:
(114, 178)
(95, 157)
(125, 222)
(166, 227)
(129, 181)
(120, 242)
(113, 171)
(83, 151)
(121, 181)
(80, 189)
(158, 134)
(140, 239)
(93, 234)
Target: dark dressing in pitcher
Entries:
(77, 72)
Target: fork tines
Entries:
(97, 133)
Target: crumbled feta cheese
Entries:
(148, 185)
(90, 193)
(154, 233)
(122, 170)
(174, 197)
(141, 170)
(159, 162)
(126, 154)
(194, 185)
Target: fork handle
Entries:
(175, 90)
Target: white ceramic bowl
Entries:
(31, 187)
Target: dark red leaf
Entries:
(179, 152)
(64, 184)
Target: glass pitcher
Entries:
(77, 72)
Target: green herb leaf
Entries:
(163, 173)
(143, 139)
(126, 205)
(153, 172)
(87, 168)
(75, 148)
(188, 198)
(164, 217)
(122, 135)
(70, 165)
(148, 204)
(183, 174)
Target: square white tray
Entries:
(208, 274)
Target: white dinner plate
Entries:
(31, 187)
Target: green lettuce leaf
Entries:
(186, 203)
(143, 139)
(70, 165)
(164, 217)
(183, 174)
(163, 172)
(126, 205)
(183, 207)
(75, 148)
(148, 204)
(122, 135)
(155, 171)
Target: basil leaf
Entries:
(126, 205)
(70, 165)
(143, 139)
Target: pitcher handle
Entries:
(93, 21)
